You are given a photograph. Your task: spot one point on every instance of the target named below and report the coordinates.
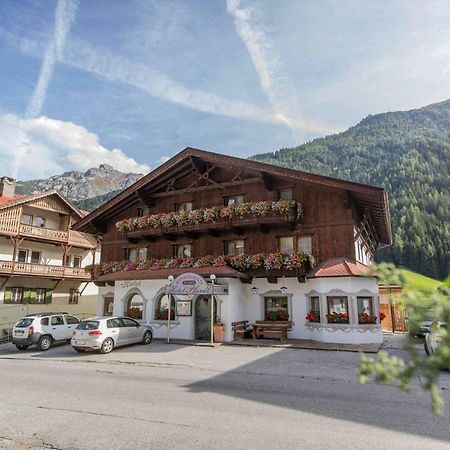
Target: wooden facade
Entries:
(336, 213)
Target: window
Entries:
(182, 251)
(129, 323)
(285, 194)
(234, 200)
(44, 322)
(286, 244)
(16, 295)
(27, 219)
(304, 244)
(314, 309)
(162, 308)
(134, 307)
(77, 261)
(35, 257)
(276, 308)
(70, 320)
(88, 325)
(39, 222)
(73, 296)
(68, 260)
(113, 323)
(136, 254)
(365, 310)
(40, 295)
(22, 256)
(337, 310)
(185, 206)
(57, 320)
(234, 248)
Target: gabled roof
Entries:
(339, 267)
(372, 198)
(8, 202)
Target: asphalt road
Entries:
(169, 396)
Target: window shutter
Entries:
(48, 295)
(26, 295)
(29, 296)
(7, 296)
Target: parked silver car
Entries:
(105, 333)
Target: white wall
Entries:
(241, 304)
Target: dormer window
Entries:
(184, 206)
(285, 194)
(234, 200)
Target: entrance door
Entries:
(203, 318)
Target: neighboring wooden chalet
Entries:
(286, 244)
(42, 260)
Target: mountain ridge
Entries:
(79, 186)
(408, 154)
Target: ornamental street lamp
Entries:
(212, 277)
(169, 299)
(254, 289)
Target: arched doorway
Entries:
(134, 306)
(203, 317)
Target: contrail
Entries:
(64, 17)
(272, 75)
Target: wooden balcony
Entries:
(71, 237)
(43, 270)
(264, 222)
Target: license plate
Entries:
(79, 342)
(19, 333)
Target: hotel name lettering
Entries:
(191, 283)
(130, 284)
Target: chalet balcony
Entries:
(43, 270)
(214, 220)
(74, 238)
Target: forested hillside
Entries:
(408, 153)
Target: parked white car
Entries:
(105, 333)
(43, 330)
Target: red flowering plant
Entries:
(382, 316)
(267, 261)
(367, 319)
(208, 215)
(336, 317)
(134, 313)
(313, 316)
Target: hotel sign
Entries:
(194, 284)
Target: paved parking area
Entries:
(173, 396)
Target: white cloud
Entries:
(64, 17)
(40, 147)
(162, 160)
(273, 77)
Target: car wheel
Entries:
(107, 346)
(22, 347)
(147, 338)
(45, 342)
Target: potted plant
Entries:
(219, 330)
(313, 316)
(336, 317)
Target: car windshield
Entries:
(88, 325)
(26, 322)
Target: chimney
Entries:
(7, 186)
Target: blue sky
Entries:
(132, 82)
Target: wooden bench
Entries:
(268, 328)
(241, 329)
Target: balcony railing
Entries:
(214, 219)
(71, 237)
(44, 270)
